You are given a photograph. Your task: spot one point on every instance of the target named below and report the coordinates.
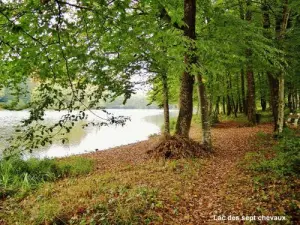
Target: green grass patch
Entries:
(283, 160)
(275, 176)
(20, 176)
(265, 117)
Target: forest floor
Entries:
(127, 188)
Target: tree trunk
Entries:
(243, 92)
(239, 100)
(244, 101)
(274, 94)
(187, 80)
(229, 103)
(166, 104)
(251, 106)
(205, 123)
(216, 112)
(273, 81)
(223, 106)
(235, 107)
(263, 101)
(280, 37)
(228, 106)
(280, 120)
(290, 102)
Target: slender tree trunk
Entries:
(235, 107)
(198, 105)
(251, 106)
(239, 100)
(280, 121)
(228, 106)
(187, 80)
(290, 102)
(295, 100)
(273, 81)
(245, 110)
(263, 101)
(216, 112)
(205, 122)
(229, 103)
(223, 106)
(166, 104)
(244, 100)
(280, 37)
(274, 94)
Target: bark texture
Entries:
(251, 106)
(273, 81)
(274, 94)
(205, 120)
(187, 80)
(166, 104)
(280, 37)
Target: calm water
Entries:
(143, 123)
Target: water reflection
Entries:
(143, 123)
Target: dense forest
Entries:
(210, 59)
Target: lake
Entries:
(144, 122)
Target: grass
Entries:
(18, 176)
(265, 117)
(283, 160)
(125, 195)
(274, 176)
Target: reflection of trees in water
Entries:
(76, 135)
(158, 119)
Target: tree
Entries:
(187, 80)
(251, 105)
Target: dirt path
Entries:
(230, 143)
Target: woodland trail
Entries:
(231, 142)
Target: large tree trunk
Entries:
(187, 80)
(166, 104)
(205, 122)
(251, 106)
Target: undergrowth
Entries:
(18, 176)
(275, 175)
(283, 160)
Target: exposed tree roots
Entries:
(176, 147)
